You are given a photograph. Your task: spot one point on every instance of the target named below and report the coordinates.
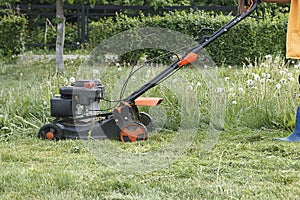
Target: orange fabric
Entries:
(293, 33)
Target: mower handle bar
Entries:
(191, 55)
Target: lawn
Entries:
(242, 163)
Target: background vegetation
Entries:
(261, 100)
(249, 40)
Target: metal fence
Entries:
(83, 14)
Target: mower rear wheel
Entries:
(50, 132)
(133, 132)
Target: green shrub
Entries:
(12, 34)
(250, 39)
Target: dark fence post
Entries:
(82, 24)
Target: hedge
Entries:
(250, 39)
(12, 34)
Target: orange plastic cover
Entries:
(191, 57)
(148, 101)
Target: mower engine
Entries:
(77, 115)
(81, 99)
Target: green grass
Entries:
(244, 163)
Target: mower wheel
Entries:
(50, 132)
(146, 119)
(133, 132)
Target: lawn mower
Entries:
(75, 108)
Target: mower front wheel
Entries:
(146, 120)
(50, 132)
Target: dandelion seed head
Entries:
(283, 80)
(268, 56)
(220, 90)
(96, 72)
(190, 88)
(250, 82)
(282, 73)
(241, 90)
(72, 79)
(256, 77)
(289, 74)
(278, 86)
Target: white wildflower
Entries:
(227, 79)
(119, 69)
(262, 81)
(118, 64)
(283, 80)
(250, 82)
(229, 66)
(297, 66)
(241, 90)
(282, 73)
(289, 74)
(268, 56)
(190, 88)
(198, 84)
(234, 102)
(291, 79)
(96, 72)
(72, 79)
(220, 90)
(256, 77)
(278, 86)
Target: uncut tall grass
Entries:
(261, 94)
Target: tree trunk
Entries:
(241, 6)
(60, 39)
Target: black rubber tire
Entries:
(135, 125)
(146, 119)
(50, 128)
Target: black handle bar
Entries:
(192, 54)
